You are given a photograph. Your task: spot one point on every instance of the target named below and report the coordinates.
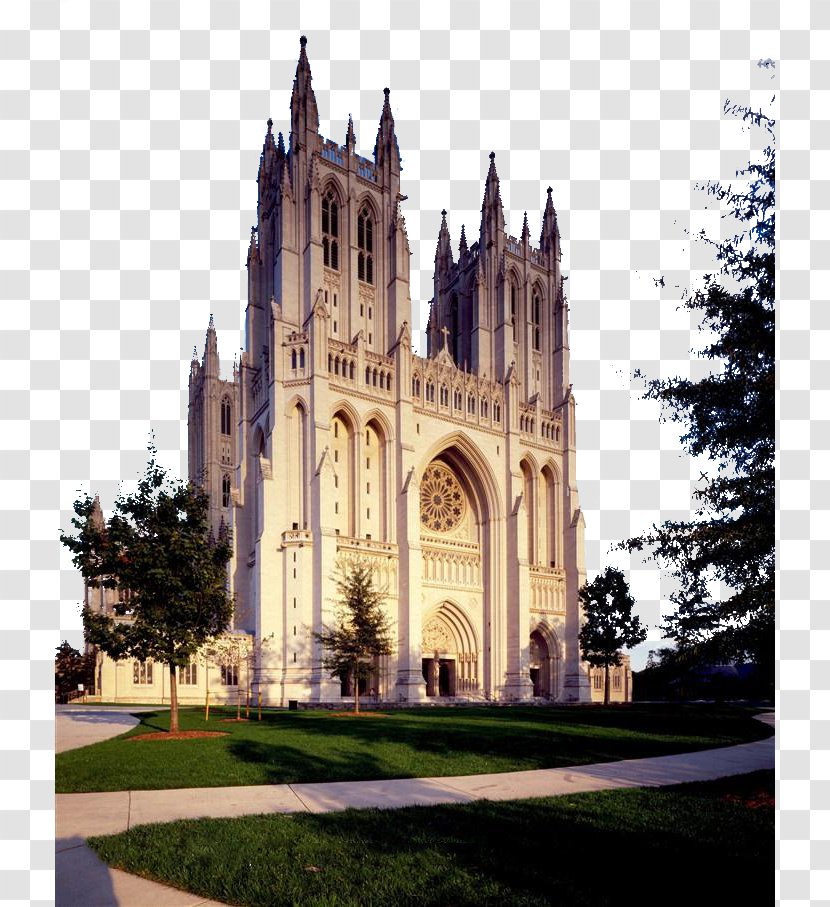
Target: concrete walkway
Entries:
(81, 725)
(81, 879)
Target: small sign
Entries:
(80, 688)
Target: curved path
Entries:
(80, 725)
(82, 879)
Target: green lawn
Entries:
(695, 843)
(289, 747)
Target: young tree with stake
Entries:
(609, 622)
(158, 545)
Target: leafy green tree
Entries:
(723, 558)
(158, 546)
(609, 624)
(71, 668)
(362, 630)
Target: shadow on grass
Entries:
(585, 849)
(282, 764)
(427, 742)
(291, 747)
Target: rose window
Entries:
(442, 499)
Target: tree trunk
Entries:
(174, 701)
(356, 690)
(607, 684)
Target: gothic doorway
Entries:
(540, 666)
(449, 649)
(439, 674)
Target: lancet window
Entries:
(365, 254)
(331, 232)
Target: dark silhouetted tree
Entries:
(723, 558)
(71, 669)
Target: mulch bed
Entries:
(178, 735)
(233, 720)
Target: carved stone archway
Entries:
(450, 653)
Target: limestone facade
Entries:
(453, 474)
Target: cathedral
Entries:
(452, 475)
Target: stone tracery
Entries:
(443, 503)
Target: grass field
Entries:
(290, 747)
(691, 844)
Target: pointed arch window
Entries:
(513, 310)
(455, 329)
(536, 313)
(331, 232)
(365, 247)
(226, 416)
(226, 490)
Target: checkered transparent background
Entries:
(128, 154)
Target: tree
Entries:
(728, 416)
(228, 654)
(362, 631)
(71, 668)
(158, 551)
(609, 622)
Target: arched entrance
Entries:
(543, 663)
(459, 531)
(450, 653)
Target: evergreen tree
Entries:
(159, 552)
(362, 631)
(728, 416)
(609, 623)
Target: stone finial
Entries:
(270, 123)
(303, 40)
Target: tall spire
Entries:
(268, 157)
(550, 229)
(386, 143)
(525, 230)
(350, 139)
(462, 244)
(304, 114)
(96, 515)
(492, 211)
(211, 357)
(443, 253)
(253, 248)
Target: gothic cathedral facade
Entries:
(453, 475)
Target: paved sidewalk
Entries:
(81, 725)
(82, 815)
